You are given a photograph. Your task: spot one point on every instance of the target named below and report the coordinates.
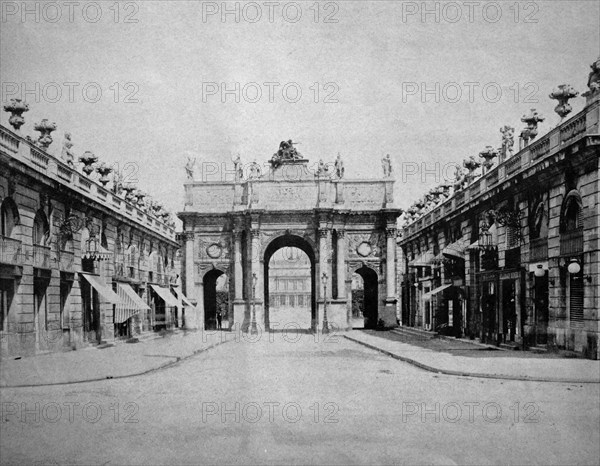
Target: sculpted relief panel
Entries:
(364, 194)
(365, 245)
(213, 198)
(287, 196)
(214, 248)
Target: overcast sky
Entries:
(370, 60)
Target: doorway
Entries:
(370, 298)
(216, 300)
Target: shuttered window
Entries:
(576, 300)
(512, 237)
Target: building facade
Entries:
(84, 259)
(510, 256)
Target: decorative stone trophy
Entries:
(563, 93)
(16, 108)
(88, 159)
(104, 170)
(139, 195)
(45, 129)
(531, 131)
(129, 188)
(471, 164)
(488, 156)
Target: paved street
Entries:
(281, 402)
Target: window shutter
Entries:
(576, 300)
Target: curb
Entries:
(432, 335)
(466, 374)
(135, 374)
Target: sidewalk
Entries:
(510, 365)
(98, 363)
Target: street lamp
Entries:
(253, 329)
(325, 322)
(574, 267)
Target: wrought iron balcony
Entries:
(538, 249)
(42, 256)
(66, 261)
(11, 251)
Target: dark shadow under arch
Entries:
(210, 298)
(371, 295)
(303, 245)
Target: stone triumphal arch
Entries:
(233, 226)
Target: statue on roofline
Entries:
(339, 167)
(286, 152)
(189, 168)
(386, 163)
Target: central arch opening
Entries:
(289, 285)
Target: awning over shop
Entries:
(491, 239)
(435, 291)
(457, 249)
(166, 295)
(103, 289)
(423, 260)
(184, 300)
(130, 304)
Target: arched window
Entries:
(10, 217)
(572, 217)
(41, 229)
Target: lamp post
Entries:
(325, 322)
(253, 329)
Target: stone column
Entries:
(341, 265)
(391, 263)
(189, 265)
(389, 313)
(192, 317)
(256, 269)
(238, 273)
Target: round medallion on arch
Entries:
(214, 251)
(364, 249)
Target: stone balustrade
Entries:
(580, 125)
(49, 165)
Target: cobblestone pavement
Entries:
(288, 399)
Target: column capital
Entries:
(255, 233)
(341, 233)
(237, 234)
(189, 235)
(323, 232)
(391, 232)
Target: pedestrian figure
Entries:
(219, 319)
